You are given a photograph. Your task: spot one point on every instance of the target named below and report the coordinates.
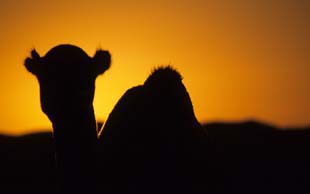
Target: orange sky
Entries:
(240, 59)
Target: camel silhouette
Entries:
(66, 76)
(152, 140)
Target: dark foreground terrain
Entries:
(244, 158)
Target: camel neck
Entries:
(75, 126)
(76, 145)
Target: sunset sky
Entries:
(240, 59)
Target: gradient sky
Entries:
(240, 59)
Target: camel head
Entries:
(66, 76)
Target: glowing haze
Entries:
(240, 59)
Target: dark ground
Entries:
(245, 157)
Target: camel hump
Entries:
(164, 76)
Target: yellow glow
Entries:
(239, 59)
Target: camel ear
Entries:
(33, 64)
(101, 61)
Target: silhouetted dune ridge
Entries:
(248, 157)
